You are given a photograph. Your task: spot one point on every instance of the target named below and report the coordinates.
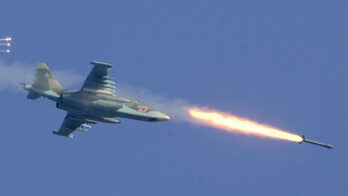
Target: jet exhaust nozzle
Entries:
(25, 86)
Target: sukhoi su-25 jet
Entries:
(96, 101)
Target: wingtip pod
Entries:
(329, 146)
(71, 136)
(108, 65)
(42, 66)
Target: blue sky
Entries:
(281, 63)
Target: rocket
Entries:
(315, 142)
(6, 39)
(5, 42)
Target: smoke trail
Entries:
(11, 74)
(69, 79)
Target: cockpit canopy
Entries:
(138, 106)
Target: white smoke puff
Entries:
(175, 108)
(68, 79)
(12, 74)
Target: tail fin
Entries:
(45, 84)
(45, 80)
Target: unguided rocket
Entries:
(315, 142)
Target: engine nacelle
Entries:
(106, 105)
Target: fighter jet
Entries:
(96, 101)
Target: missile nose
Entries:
(329, 146)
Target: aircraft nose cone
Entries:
(163, 117)
(158, 116)
(166, 117)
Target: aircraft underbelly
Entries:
(91, 107)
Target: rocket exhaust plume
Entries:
(234, 124)
(6, 39)
(5, 44)
(5, 51)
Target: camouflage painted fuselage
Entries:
(103, 107)
(95, 101)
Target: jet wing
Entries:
(72, 123)
(98, 80)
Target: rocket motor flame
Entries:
(5, 42)
(231, 123)
(6, 39)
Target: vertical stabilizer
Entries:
(45, 80)
(45, 84)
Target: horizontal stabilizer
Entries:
(33, 95)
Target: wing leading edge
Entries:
(71, 123)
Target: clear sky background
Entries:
(282, 63)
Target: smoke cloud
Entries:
(69, 79)
(11, 74)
